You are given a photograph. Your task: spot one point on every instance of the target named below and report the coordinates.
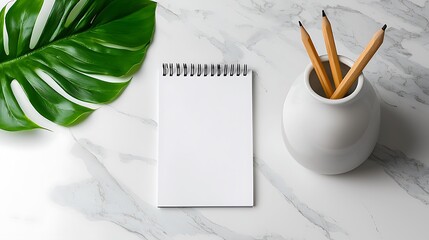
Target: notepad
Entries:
(205, 142)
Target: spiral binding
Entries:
(170, 69)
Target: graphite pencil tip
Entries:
(384, 27)
(323, 13)
(300, 24)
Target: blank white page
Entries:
(205, 145)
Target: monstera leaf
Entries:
(74, 45)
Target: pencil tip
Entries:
(300, 24)
(384, 27)
(323, 13)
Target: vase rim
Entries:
(345, 60)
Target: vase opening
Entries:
(316, 88)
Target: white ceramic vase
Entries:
(330, 136)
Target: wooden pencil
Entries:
(317, 63)
(360, 64)
(331, 50)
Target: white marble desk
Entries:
(97, 181)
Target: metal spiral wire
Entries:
(184, 69)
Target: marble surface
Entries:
(98, 180)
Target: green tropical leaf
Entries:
(80, 42)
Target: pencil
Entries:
(331, 49)
(360, 64)
(317, 63)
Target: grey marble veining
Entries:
(143, 120)
(326, 225)
(129, 157)
(410, 174)
(391, 69)
(98, 180)
(103, 198)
